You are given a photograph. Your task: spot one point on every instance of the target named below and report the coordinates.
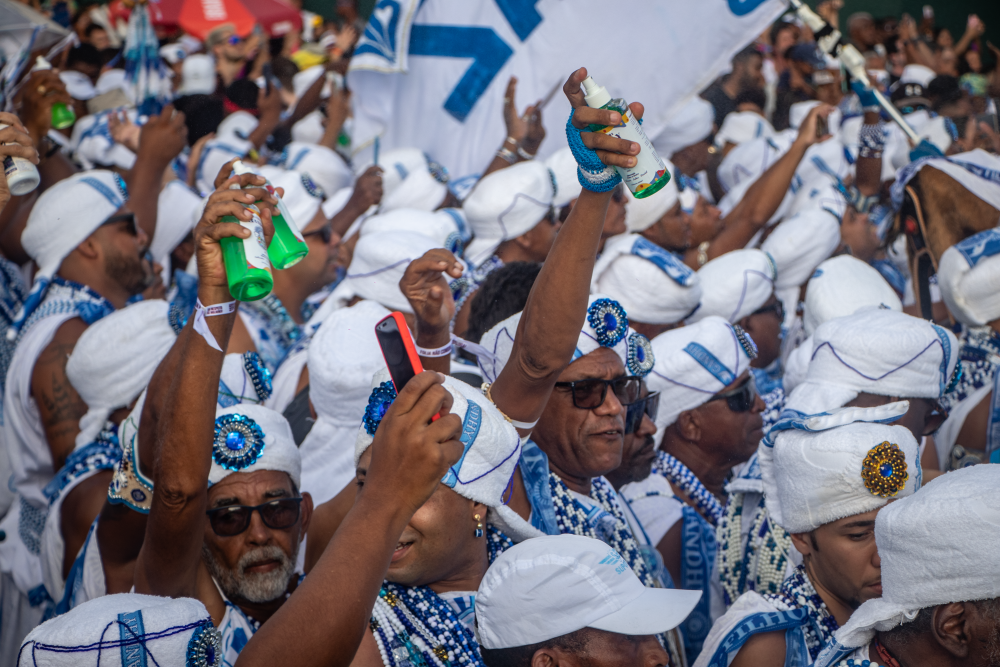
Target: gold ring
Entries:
(41, 90)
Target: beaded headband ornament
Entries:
(609, 321)
(746, 342)
(238, 442)
(379, 401)
(640, 355)
(259, 375)
(884, 470)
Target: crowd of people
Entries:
(710, 427)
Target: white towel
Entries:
(735, 285)
(800, 243)
(969, 278)
(841, 286)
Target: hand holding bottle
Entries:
(15, 148)
(40, 93)
(611, 150)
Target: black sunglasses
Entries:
(590, 394)
(648, 406)
(325, 233)
(278, 514)
(740, 399)
(777, 308)
(123, 217)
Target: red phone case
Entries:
(408, 345)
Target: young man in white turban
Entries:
(825, 479)
(936, 609)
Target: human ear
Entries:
(950, 627)
(803, 543)
(689, 425)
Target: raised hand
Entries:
(517, 126)
(612, 151)
(808, 129)
(367, 190)
(163, 137)
(425, 286)
(536, 131)
(43, 89)
(123, 130)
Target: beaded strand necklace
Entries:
(681, 476)
(496, 542)
(798, 593)
(761, 567)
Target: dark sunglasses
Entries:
(325, 233)
(234, 40)
(123, 217)
(934, 418)
(278, 514)
(777, 308)
(590, 394)
(740, 399)
(648, 406)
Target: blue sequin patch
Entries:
(259, 375)
(609, 321)
(379, 401)
(238, 442)
(205, 647)
(640, 355)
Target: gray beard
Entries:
(256, 588)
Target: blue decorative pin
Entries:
(238, 443)
(379, 401)
(609, 321)
(640, 355)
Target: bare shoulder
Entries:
(766, 649)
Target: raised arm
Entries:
(160, 141)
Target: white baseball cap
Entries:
(198, 75)
(547, 587)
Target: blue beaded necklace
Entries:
(681, 476)
(760, 566)
(496, 542)
(797, 592)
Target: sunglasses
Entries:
(647, 406)
(123, 217)
(590, 394)
(234, 40)
(777, 308)
(325, 233)
(279, 514)
(740, 399)
(934, 418)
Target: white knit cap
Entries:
(302, 196)
(840, 286)
(742, 126)
(249, 438)
(438, 226)
(114, 359)
(694, 363)
(109, 629)
(492, 446)
(829, 467)
(506, 204)
(641, 214)
(735, 285)
(800, 243)
(752, 158)
(324, 166)
(692, 123)
(937, 547)
(876, 351)
(653, 285)
(178, 210)
(564, 169)
(969, 278)
(343, 356)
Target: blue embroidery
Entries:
(697, 556)
(379, 37)
(534, 465)
(710, 363)
(470, 430)
(668, 262)
(980, 246)
(131, 632)
(752, 625)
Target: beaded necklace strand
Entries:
(762, 566)
(681, 476)
(496, 542)
(798, 593)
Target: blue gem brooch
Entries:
(609, 321)
(381, 398)
(313, 189)
(238, 443)
(884, 470)
(205, 647)
(259, 375)
(640, 355)
(746, 342)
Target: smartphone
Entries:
(398, 350)
(822, 127)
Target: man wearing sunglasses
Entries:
(229, 51)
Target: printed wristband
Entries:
(202, 311)
(593, 174)
(443, 351)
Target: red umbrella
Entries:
(199, 17)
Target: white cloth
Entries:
(841, 286)
(492, 446)
(916, 542)
(438, 226)
(798, 245)
(987, 190)
(275, 451)
(814, 477)
(742, 126)
(178, 210)
(917, 74)
(564, 169)
(691, 123)
(310, 129)
(342, 357)
(407, 181)
(17, 618)
(653, 285)
(969, 278)
(735, 285)
(93, 146)
(506, 204)
(78, 85)
(197, 75)
(89, 582)
(114, 359)
(302, 196)
(797, 114)
(797, 366)
(748, 604)
(321, 164)
(692, 364)
(214, 156)
(752, 158)
(657, 513)
(641, 214)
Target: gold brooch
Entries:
(441, 652)
(884, 470)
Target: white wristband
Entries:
(436, 352)
(202, 311)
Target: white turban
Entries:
(106, 629)
(492, 446)
(215, 155)
(641, 214)
(324, 166)
(876, 351)
(114, 359)
(937, 547)
(917, 74)
(343, 356)
(440, 226)
(78, 85)
(694, 363)
(302, 196)
(800, 243)
(249, 438)
(653, 285)
(735, 285)
(178, 210)
(742, 126)
(830, 467)
(797, 366)
(841, 286)
(239, 125)
(969, 278)
(797, 114)
(750, 159)
(407, 181)
(690, 124)
(563, 166)
(506, 204)
(824, 196)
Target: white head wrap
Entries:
(113, 79)
(78, 85)
(343, 356)
(197, 75)
(921, 565)
(742, 126)
(829, 467)
(752, 158)
(841, 286)
(822, 195)
(735, 285)
(563, 166)
(694, 363)
(114, 359)
(440, 226)
(798, 112)
(407, 181)
(653, 285)
(216, 153)
(800, 243)
(302, 196)
(302, 81)
(324, 166)
(641, 214)
(249, 438)
(969, 278)
(739, 191)
(917, 74)
(876, 351)
(506, 204)
(239, 124)
(692, 123)
(178, 210)
(797, 365)
(101, 630)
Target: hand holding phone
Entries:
(398, 350)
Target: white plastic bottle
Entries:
(22, 176)
(650, 173)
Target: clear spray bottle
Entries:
(248, 269)
(650, 173)
(62, 115)
(288, 246)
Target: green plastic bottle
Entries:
(248, 269)
(62, 115)
(288, 246)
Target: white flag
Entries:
(432, 74)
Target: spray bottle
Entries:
(248, 270)
(62, 115)
(288, 246)
(22, 175)
(650, 173)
